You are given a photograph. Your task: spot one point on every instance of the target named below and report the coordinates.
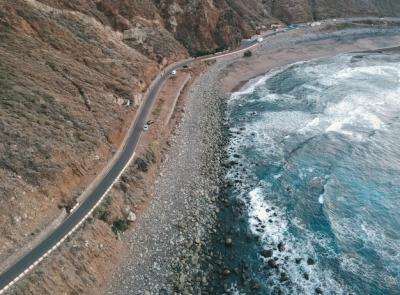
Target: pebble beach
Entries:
(177, 244)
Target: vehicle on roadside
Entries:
(316, 24)
(145, 127)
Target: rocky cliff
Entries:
(203, 25)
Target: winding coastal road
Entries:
(14, 273)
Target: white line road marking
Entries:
(70, 232)
(155, 81)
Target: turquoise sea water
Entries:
(315, 149)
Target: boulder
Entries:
(284, 277)
(131, 217)
(121, 23)
(310, 261)
(267, 253)
(228, 242)
(272, 263)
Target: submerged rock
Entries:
(310, 261)
(277, 291)
(227, 272)
(284, 277)
(272, 263)
(228, 242)
(255, 285)
(267, 253)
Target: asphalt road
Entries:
(69, 225)
(72, 222)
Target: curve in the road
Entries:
(14, 273)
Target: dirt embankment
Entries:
(85, 263)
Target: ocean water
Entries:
(314, 157)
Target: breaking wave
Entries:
(315, 149)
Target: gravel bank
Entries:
(184, 203)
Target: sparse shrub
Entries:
(124, 187)
(219, 49)
(247, 53)
(67, 204)
(120, 225)
(199, 53)
(141, 164)
(102, 212)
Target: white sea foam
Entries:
(351, 114)
(321, 199)
(248, 88)
(360, 111)
(233, 290)
(360, 72)
(346, 111)
(351, 230)
(252, 85)
(275, 226)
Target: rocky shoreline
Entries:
(191, 252)
(174, 258)
(194, 270)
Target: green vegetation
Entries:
(200, 53)
(247, 53)
(120, 226)
(83, 35)
(102, 212)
